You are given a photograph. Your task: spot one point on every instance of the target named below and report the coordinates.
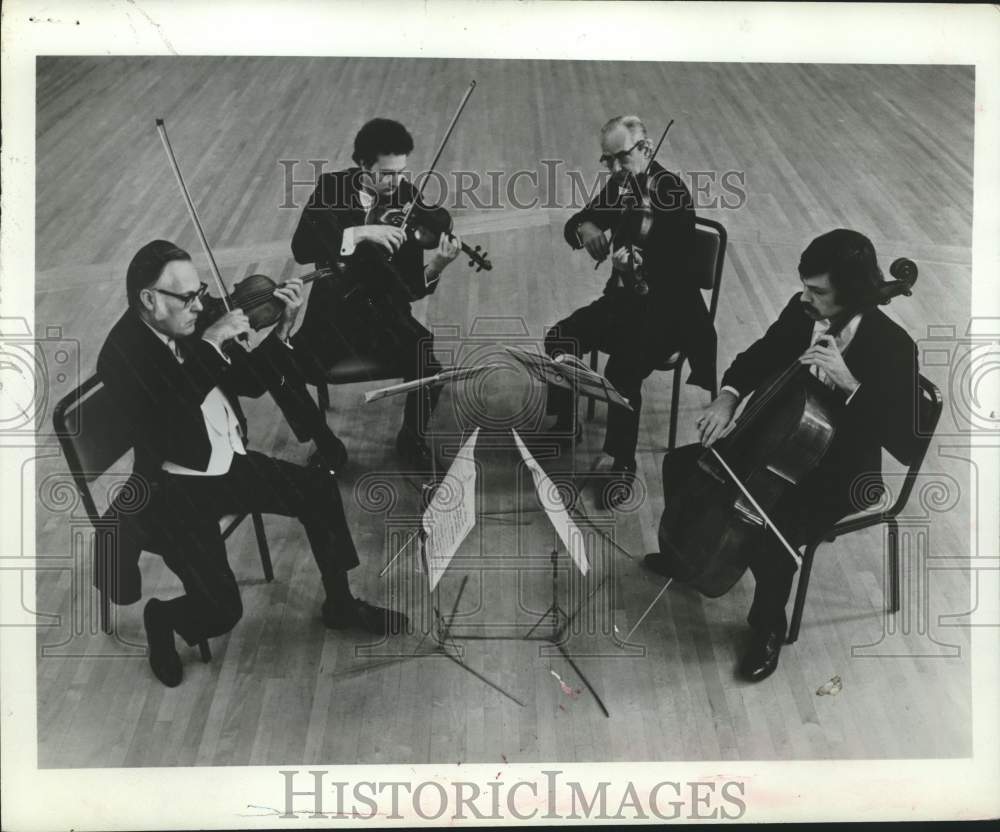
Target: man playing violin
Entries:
(639, 324)
(870, 364)
(366, 314)
(178, 391)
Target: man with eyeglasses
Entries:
(178, 391)
(637, 323)
(366, 314)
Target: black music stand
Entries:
(441, 630)
(561, 620)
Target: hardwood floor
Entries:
(883, 149)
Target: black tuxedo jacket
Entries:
(881, 414)
(365, 307)
(162, 399)
(674, 300)
(334, 207)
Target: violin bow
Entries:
(288, 375)
(437, 156)
(161, 128)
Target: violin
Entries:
(633, 230)
(423, 223)
(710, 520)
(635, 223)
(255, 296)
(426, 225)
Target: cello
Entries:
(711, 520)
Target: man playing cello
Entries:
(870, 364)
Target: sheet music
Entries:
(570, 372)
(548, 496)
(451, 514)
(453, 374)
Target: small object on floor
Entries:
(163, 658)
(377, 620)
(573, 694)
(761, 658)
(618, 489)
(831, 688)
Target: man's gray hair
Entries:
(634, 125)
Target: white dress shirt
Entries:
(221, 425)
(348, 242)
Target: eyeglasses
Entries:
(622, 155)
(188, 298)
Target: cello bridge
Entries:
(748, 514)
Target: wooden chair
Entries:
(928, 413)
(93, 434)
(710, 257)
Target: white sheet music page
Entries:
(548, 496)
(451, 514)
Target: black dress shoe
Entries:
(414, 450)
(163, 658)
(656, 562)
(618, 489)
(761, 657)
(332, 456)
(378, 621)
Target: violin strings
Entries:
(265, 294)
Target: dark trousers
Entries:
(374, 322)
(801, 516)
(614, 324)
(193, 548)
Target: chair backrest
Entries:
(928, 413)
(93, 434)
(710, 258)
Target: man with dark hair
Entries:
(869, 364)
(178, 388)
(365, 312)
(638, 323)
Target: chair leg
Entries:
(674, 406)
(590, 401)
(206, 653)
(265, 552)
(323, 396)
(800, 593)
(893, 577)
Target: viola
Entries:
(710, 520)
